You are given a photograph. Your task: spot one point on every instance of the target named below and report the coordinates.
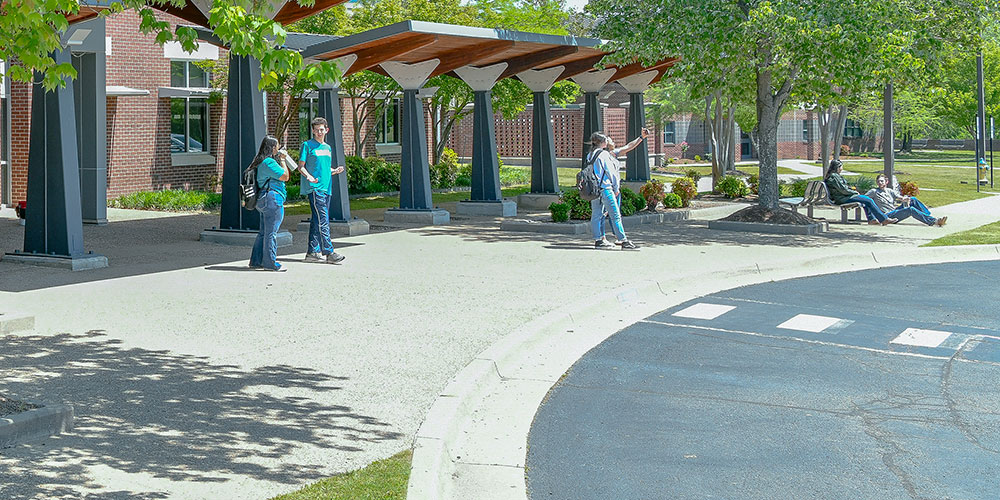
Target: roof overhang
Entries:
(121, 91)
(185, 91)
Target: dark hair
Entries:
(882, 175)
(268, 146)
(835, 165)
(596, 139)
(319, 120)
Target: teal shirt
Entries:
(268, 175)
(318, 157)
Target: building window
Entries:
(387, 129)
(852, 130)
(308, 110)
(805, 131)
(188, 115)
(670, 133)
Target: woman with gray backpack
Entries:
(608, 201)
(271, 165)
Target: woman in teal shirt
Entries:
(271, 177)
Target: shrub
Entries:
(559, 211)
(732, 187)
(292, 191)
(168, 200)
(686, 189)
(631, 202)
(793, 189)
(514, 176)
(845, 150)
(444, 173)
(578, 207)
(464, 177)
(385, 173)
(671, 200)
(908, 188)
(359, 174)
(863, 183)
(754, 182)
(653, 193)
(693, 174)
(697, 158)
(376, 187)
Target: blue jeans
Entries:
(265, 247)
(917, 210)
(606, 203)
(319, 224)
(871, 209)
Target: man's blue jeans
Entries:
(606, 203)
(871, 209)
(917, 210)
(265, 247)
(319, 224)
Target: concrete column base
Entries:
(504, 208)
(536, 201)
(82, 263)
(241, 238)
(426, 217)
(353, 227)
(96, 222)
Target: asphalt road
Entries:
(868, 385)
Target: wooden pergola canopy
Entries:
(457, 46)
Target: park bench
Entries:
(816, 194)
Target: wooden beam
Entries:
(292, 11)
(579, 66)
(395, 47)
(464, 56)
(532, 60)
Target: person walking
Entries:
(316, 167)
(840, 193)
(606, 169)
(886, 198)
(271, 177)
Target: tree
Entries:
(784, 43)
(956, 102)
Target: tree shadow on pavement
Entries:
(170, 417)
(687, 233)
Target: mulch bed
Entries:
(11, 406)
(757, 213)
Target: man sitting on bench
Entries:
(886, 198)
(840, 193)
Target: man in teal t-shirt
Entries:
(316, 167)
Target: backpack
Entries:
(249, 192)
(587, 181)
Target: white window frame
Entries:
(206, 144)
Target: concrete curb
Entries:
(35, 424)
(761, 227)
(583, 227)
(473, 442)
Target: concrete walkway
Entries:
(194, 378)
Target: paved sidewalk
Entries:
(193, 378)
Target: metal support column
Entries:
(415, 181)
(329, 108)
(637, 164)
(91, 113)
(53, 226)
(888, 133)
(591, 123)
(245, 128)
(544, 176)
(485, 165)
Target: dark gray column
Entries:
(544, 176)
(637, 164)
(329, 108)
(888, 133)
(591, 123)
(245, 128)
(53, 225)
(91, 114)
(415, 181)
(485, 167)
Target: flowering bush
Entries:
(653, 193)
(686, 189)
(908, 188)
(684, 146)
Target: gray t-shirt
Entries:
(884, 198)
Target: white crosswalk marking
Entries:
(810, 323)
(703, 311)
(921, 338)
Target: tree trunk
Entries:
(712, 122)
(838, 131)
(768, 113)
(825, 120)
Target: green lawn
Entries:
(382, 480)
(706, 170)
(947, 180)
(932, 156)
(982, 235)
